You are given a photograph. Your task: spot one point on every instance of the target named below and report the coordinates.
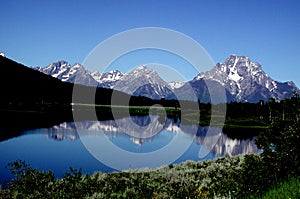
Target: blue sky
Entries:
(37, 33)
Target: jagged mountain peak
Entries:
(77, 65)
(113, 75)
(235, 69)
(55, 69)
(241, 62)
(143, 72)
(246, 80)
(96, 73)
(143, 81)
(68, 73)
(60, 63)
(112, 72)
(143, 69)
(235, 56)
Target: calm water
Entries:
(127, 143)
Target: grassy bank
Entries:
(286, 189)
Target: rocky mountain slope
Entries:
(246, 80)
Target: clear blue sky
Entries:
(37, 33)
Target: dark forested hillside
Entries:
(22, 85)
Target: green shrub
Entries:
(255, 176)
(281, 148)
(30, 183)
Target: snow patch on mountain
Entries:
(96, 75)
(176, 85)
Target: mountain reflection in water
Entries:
(142, 132)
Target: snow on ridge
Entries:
(175, 85)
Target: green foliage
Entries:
(30, 183)
(286, 189)
(281, 148)
(219, 178)
(256, 178)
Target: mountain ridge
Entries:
(242, 79)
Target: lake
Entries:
(111, 145)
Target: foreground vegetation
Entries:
(226, 177)
(235, 177)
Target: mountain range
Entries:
(242, 79)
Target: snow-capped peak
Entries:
(96, 75)
(144, 71)
(67, 73)
(243, 78)
(143, 81)
(77, 65)
(108, 79)
(56, 69)
(141, 68)
(111, 75)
